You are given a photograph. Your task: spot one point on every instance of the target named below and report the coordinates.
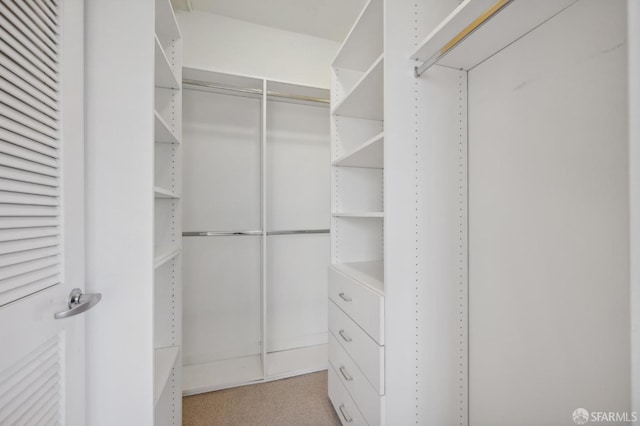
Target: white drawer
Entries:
(362, 392)
(365, 306)
(364, 351)
(343, 404)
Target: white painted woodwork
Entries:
(134, 252)
(42, 363)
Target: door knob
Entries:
(79, 303)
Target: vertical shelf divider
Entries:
(263, 207)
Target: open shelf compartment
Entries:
(365, 100)
(369, 154)
(364, 43)
(166, 24)
(163, 133)
(164, 75)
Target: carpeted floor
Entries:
(296, 401)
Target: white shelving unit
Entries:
(168, 211)
(356, 274)
(133, 158)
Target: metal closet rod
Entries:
(255, 91)
(248, 233)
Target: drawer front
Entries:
(364, 351)
(343, 404)
(364, 395)
(360, 303)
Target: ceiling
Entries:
(329, 19)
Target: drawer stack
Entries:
(356, 349)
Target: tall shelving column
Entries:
(357, 146)
(167, 217)
(356, 274)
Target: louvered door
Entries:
(41, 211)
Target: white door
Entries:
(41, 212)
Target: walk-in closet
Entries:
(423, 207)
(319, 212)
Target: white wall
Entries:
(229, 45)
(633, 36)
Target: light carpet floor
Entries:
(296, 401)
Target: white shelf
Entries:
(369, 154)
(166, 256)
(163, 133)
(358, 214)
(365, 100)
(198, 378)
(164, 193)
(166, 23)
(369, 273)
(512, 22)
(364, 42)
(165, 77)
(164, 360)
